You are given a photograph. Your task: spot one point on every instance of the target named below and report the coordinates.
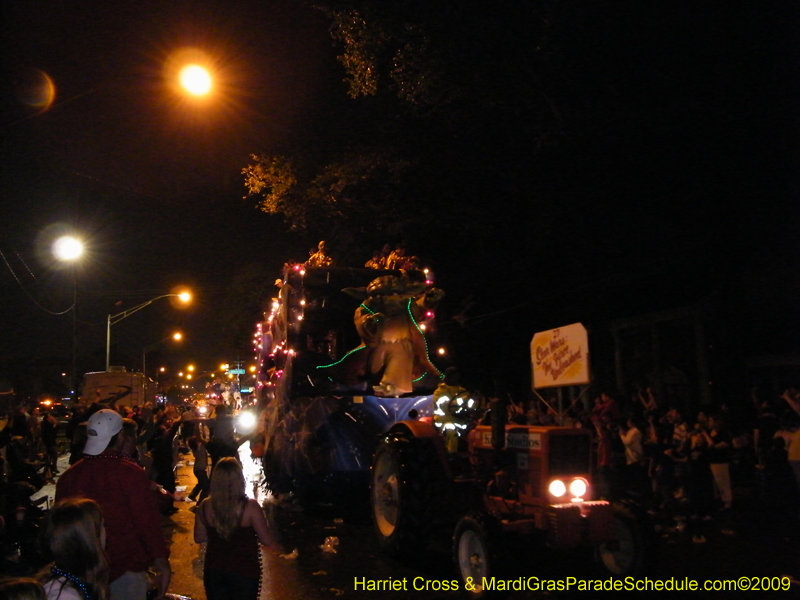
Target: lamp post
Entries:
(114, 319)
(68, 248)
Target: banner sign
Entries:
(560, 357)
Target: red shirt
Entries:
(131, 515)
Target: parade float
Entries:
(342, 357)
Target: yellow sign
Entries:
(560, 357)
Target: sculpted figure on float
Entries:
(387, 321)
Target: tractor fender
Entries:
(428, 437)
(419, 429)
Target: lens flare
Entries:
(36, 90)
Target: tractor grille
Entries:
(570, 455)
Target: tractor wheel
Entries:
(475, 552)
(402, 493)
(624, 555)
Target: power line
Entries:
(24, 289)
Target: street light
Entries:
(195, 80)
(114, 319)
(177, 336)
(69, 249)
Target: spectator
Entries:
(767, 424)
(223, 440)
(22, 588)
(35, 434)
(20, 468)
(19, 423)
(719, 457)
(700, 482)
(132, 519)
(792, 397)
(129, 434)
(648, 400)
(200, 469)
(790, 434)
(233, 526)
(50, 443)
(606, 408)
(605, 478)
(635, 478)
(651, 444)
(163, 460)
(675, 462)
(73, 541)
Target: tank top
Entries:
(238, 554)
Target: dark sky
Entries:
(148, 177)
(668, 174)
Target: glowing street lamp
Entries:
(69, 249)
(114, 319)
(195, 80)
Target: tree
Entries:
(356, 200)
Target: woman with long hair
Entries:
(21, 588)
(73, 540)
(234, 527)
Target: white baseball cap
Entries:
(100, 428)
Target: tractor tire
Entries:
(626, 554)
(402, 493)
(476, 553)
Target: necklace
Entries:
(110, 454)
(76, 581)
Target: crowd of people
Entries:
(685, 466)
(103, 538)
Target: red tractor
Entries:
(517, 480)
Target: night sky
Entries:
(649, 162)
(148, 177)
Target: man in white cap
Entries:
(135, 540)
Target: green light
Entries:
(368, 309)
(424, 341)
(361, 347)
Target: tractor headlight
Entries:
(578, 488)
(558, 488)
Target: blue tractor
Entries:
(343, 357)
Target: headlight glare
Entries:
(578, 488)
(245, 422)
(557, 488)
